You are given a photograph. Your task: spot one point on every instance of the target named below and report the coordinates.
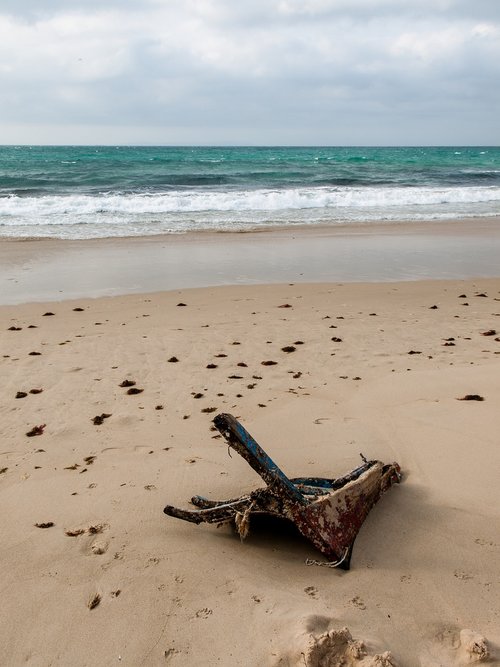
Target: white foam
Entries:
(181, 210)
(246, 200)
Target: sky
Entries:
(250, 72)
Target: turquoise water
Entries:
(100, 191)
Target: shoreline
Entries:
(469, 224)
(55, 269)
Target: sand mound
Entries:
(331, 648)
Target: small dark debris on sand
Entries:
(48, 314)
(288, 348)
(96, 528)
(336, 339)
(235, 377)
(268, 363)
(434, 307)
(490, 332)
(78, 310)
(36, 430)
(75, 532)
(181, 304)
(221, 355)
(2, 470)
(462, 296)
(14, 328)
(299, 342)
(34, 354)
(134, 390)
(46, 524)
(285, 305)
(414, 352)
(90, 459)
(211, 365)
(198, 395)
(242, 364)
(159, 407)
(127, 383)
(209, 410)
(99, 419)
(21, 394)
(36, 391)
(471, 397)
(173, 360)
(94, 601)
(482, 294)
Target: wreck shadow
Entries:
(394, 534)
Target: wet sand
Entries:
(43, 269)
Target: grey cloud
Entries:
(314, 71)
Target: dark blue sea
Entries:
(104, 191)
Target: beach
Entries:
(43, 269)
(93, 572)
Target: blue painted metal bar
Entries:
(242, 442)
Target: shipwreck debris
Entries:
(328, 512)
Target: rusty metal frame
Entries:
(328, 512)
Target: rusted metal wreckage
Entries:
(328, 512)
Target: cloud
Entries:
(210, 71)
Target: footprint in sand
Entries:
(312, 591)
(452, 647)
(358, 602)
(99, 547)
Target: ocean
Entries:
(81, 192)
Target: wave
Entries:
(243, 200)
(110, 214)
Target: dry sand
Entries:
(114, 581)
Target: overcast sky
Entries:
(328, 72)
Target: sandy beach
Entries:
(94, 573)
